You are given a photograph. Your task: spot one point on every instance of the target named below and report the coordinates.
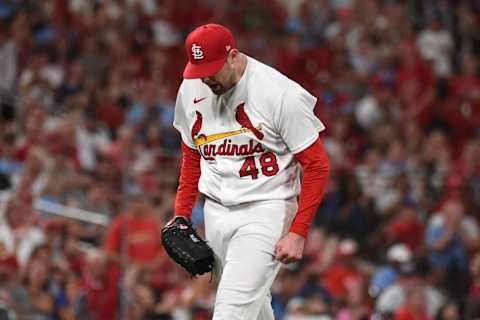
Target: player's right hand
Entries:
(290, 248)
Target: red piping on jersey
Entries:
(188, 186)
(314, 161)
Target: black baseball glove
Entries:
(186, 248)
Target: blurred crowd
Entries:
(87, 93)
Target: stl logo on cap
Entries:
(207, 48)
(197, 52)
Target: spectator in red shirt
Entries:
(406, 228)
(140, 229)
(343, 273)
(466, 90)
(8, 261)
(415, 308)
(415, 85)
(100, 288)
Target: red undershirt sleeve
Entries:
(188, 183)
(314, 161)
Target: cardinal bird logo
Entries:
(197, 125)
(200, 139)
(242, 118)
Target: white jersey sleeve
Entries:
(295, 121)
(180, 120)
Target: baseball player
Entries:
(247, 133)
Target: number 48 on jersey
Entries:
(267, 162)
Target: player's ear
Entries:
(233, 55)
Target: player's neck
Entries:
(241, 67)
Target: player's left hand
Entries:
(290, 248)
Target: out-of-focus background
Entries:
(89, 159)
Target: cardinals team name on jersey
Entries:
(227, 148)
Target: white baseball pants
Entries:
(243, 238)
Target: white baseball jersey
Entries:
(248, 135)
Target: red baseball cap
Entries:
(207, 49)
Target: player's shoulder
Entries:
(269, 78)
(191, 90)
(268, 83)
(190, 86)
